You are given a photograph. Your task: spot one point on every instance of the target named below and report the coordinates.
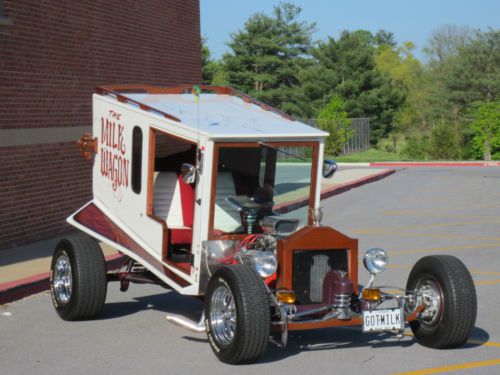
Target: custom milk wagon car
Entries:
(213, 194)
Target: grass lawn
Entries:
(370, 155)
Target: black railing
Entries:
(359, 139)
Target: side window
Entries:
(136, 159)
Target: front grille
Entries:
(309, 270)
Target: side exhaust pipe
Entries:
(187, 323)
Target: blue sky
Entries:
(408, 20)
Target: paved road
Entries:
(413, 213)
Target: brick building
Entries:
(53, 54)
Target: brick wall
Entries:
(52, 57)
(165, 145)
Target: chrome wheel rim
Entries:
(223, 315)
(63, 279)
(433, 299)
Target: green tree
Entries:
(333, 119)
(446, 41)
(406, 72)
(385, 38)
(268, 54)
(211, 70)
(348, 68)
(486, 130)
(474, 74)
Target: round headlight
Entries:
(265, 263)
(375, 260)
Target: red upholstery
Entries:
(187, 202)
(180, 236)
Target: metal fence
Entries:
(360, 139)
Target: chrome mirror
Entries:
(329, 168)
(188, 173)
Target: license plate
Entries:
(382, 320)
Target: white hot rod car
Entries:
(213, 194)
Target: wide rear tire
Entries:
(450, 316)
(78, 281)
(237, 314)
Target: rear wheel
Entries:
(78, 281)
(451, 302)
(237, 314)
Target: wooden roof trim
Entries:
(119, 90)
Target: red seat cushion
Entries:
(187, 202)
(180, 236)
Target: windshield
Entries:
(253, 182)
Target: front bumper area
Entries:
(292, 318)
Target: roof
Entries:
(219, 113)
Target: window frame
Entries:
(215, 162)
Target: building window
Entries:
(1, 8)
(136, 159)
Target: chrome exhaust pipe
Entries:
(187, 323)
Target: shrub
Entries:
(486, 130)
(444, 142)
(415, 148)
(333, 119)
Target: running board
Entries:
(187, 323)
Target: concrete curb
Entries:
(326, 193)
(436, 164)
(15, 290)
(356, 183)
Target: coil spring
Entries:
(342, 301)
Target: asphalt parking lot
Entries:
(413, 213)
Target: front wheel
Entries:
(237, 314)
(451, 302)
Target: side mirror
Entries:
(329, 168)
(188, 173)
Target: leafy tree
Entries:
(406, 73)
(400, 64)
(268, 54)
(348, 66)
(385, 38)
(446, 41)
(486, 129)
(212, 73)
(333, 119)
(474, 74)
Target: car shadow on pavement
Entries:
(345, 338)
(478, 337)
(332, 338)
(167, 302)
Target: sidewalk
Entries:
(24, 270)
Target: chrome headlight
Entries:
(265, 263)
(375, 260)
